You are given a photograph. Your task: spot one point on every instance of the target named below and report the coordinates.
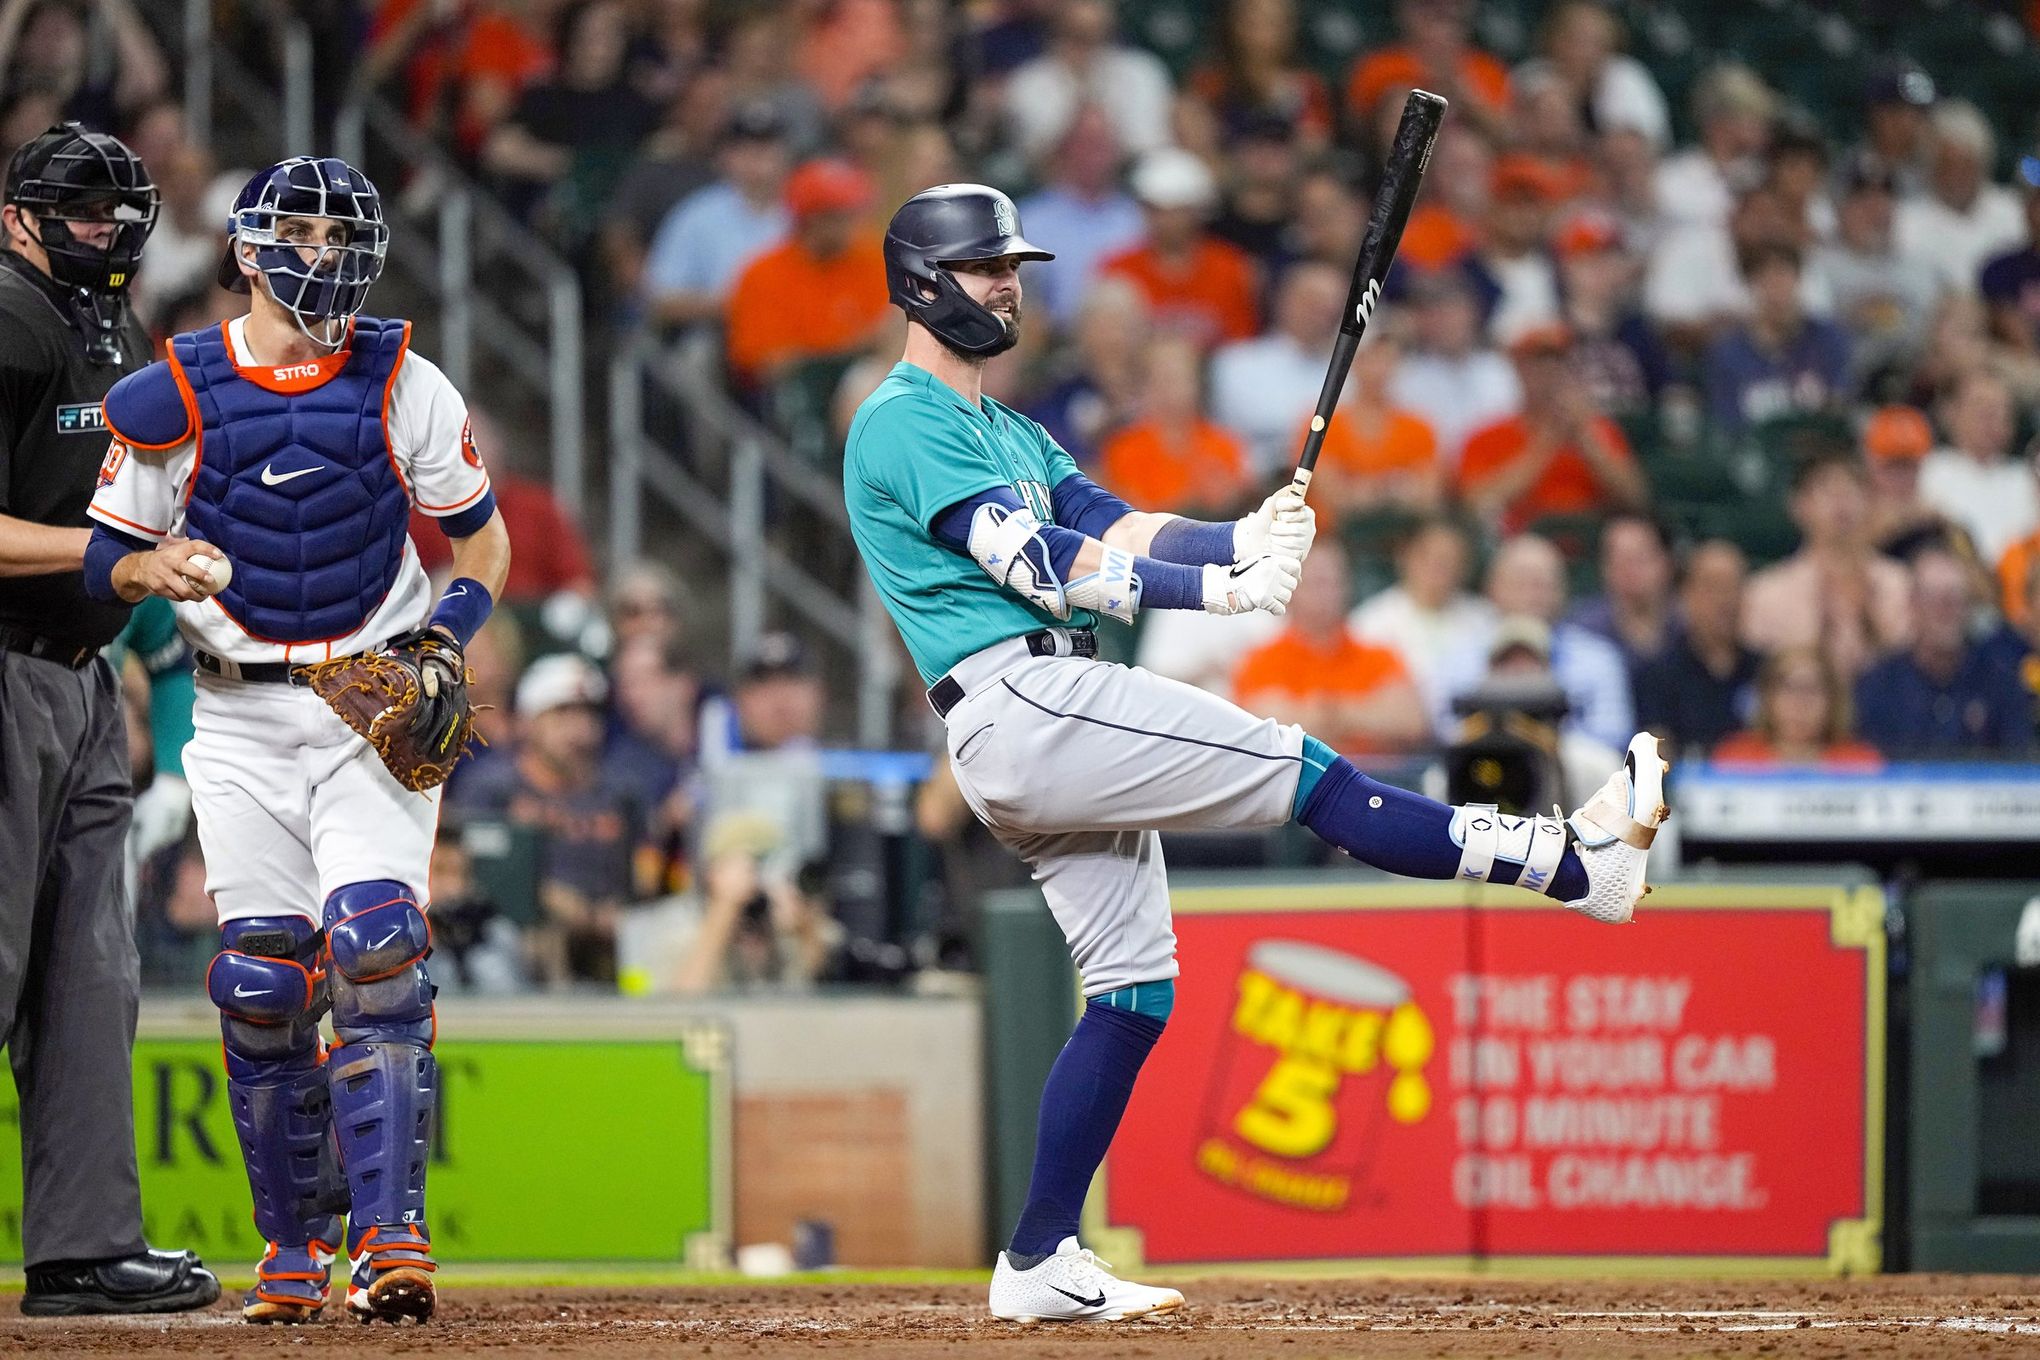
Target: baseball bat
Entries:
(1408, 157)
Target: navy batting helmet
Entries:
(70, 177)
(334, 283)
(946, 225)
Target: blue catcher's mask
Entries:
(319, 275)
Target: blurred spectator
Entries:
(1796, 169)
(1257, 75)
(1945, 696)
(1330, 216)
(1627, 161)
(1779, 361)
(1547, 133)
(1581, 43)
(644, 602)
(1194, 282)
(1895, 441)
(1803, 718)
(845, 43)
(1836, 594)
(1376, 455)
(591, 820)
(1733, 109)
(710, 236)
(476, 949)
(755, 49)
(820, 293)
(1084, 211)
(1428, 613)
(569, 138)
(1173, 458)
(776, 705)
(97, 59)
(1451, 377)
(1618, 355)
(1519, 661)
(1634, 609)
(1084, 64)
(1700, 688)
(1896, 100)
(1264, 386)
(1445, 224)
(1561, 456)
(1527, 576)
(1695, 281)
(1356, 696)
(183, 254)
(2015, 568)
(496, 655)
(754, 927)
(2010, 283)
(1101, 390)
(1885, 297)
(552, 554)
(1260, 192)
(1972, 479)
(1963, 219)
(676, 161)
(464, 64)
(1201, 649)
(651, 746)
(176, 925)
(1512, 255)
(1436, 54)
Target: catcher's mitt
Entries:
(408, 700)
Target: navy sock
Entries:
(1402, 832)
(1081, 1103)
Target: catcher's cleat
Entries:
(1072, 1285)
(392, 1277)
(292, 1283)
(1615, 828)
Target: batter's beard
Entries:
(1006, 341)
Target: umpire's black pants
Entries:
(69, 974)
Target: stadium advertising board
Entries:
(1361, 1072)
(555, 1151)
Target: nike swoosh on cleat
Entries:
(271, 477)
(1098, 1302)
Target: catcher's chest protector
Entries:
(299, 488)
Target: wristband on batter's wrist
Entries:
(463, 609)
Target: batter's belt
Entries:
(982, 666)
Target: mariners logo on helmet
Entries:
(948, 225)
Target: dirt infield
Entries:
(1227, 1318)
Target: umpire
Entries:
(77, 208)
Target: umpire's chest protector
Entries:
(295, 479)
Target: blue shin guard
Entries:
(270, 990)
(382, 1075)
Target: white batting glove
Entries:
(1284, 524)
(1267, 582)
(162, 813)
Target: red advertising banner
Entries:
(1364, 1072)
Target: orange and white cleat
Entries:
(292, 1283)
(1614, 830)
(392, 1274)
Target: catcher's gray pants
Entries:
(292, 804)
(69, 974)
(1076, 765)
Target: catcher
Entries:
(261, 477)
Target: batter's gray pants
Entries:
(69, 975)
(1075, 765)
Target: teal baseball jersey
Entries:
(151, 637)
(916, 448)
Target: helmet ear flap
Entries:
(958, 321)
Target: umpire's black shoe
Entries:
(147, 1282)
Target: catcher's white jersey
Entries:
(142, 493)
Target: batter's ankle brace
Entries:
(383, 1078)
(1497, 848)
(270, 988)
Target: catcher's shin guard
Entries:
(384, 1084)
(270, 987)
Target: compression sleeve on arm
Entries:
(106, 547)
(1193, 542)
(952, 526)
(1085, 506)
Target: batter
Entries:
(997, 559)
(291, 443)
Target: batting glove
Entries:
(1284, 524)
(1267, 582)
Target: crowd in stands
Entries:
(1721, 424)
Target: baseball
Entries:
(217, 571)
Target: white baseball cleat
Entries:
(1614, 831)
(1073, 1286)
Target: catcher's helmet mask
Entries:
(70, 178)
(321, 283)
(939, 228)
